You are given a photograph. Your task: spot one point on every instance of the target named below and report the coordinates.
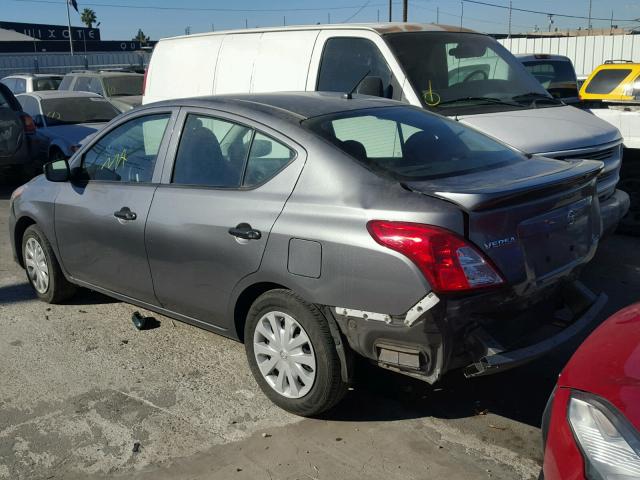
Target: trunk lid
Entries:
(536, 220)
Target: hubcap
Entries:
(36, 263)
(284, 354)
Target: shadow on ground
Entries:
(23, 292)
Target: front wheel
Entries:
(292, 354)
(43, 270)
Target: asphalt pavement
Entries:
(85, 395)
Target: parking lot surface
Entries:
(85, 395)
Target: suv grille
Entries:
(596, 155)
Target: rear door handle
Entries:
(125, 213)
(244, 230)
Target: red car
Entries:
(591, 426)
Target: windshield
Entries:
(451, 71)
(69, 111)
(48, 83)
(125, 86)
(408, 143)
(557, 76)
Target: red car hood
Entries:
(608, 363)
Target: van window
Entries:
(411, 144)
(452, 71)
(128, 153)
(82, 84)
(606, 80)
(346, 60)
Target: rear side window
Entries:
(65, 84)
(267, 157)
(410, 144)
(605, 81)
(346, 60)
(129, 152)
(20, 86)
(82, 84)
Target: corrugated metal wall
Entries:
(63, 63)
(585, 52)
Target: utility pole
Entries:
(589, 25)
(510, 11)
(246, 23)
(390, 10)
(328, 17)
(405, 8)
(69, 21)
(437, 14)
(284, 20)
(378, 15)
(461, 12)
(550, 15)
(611, 25)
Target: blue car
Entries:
(67, 118)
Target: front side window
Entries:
(409, 144)
(129, 152)
(74, 110)
(451, 71)
(606, 80)
(347, 60)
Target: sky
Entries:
(164, 18)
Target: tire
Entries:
(316, 357)
(38, 256)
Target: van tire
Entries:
(327, 388)
(59, 288)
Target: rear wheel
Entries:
(43, 270)
(292, 354)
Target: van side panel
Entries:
(235, 63)
(283, 62)
(182, 67)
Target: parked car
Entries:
(22, 148)
(66, 118)
(452, 71)
(123, 89)
(613, 82)
(282, 221)
(555, 73)
(591, 425)
(31, 82)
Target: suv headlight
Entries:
(609, 443)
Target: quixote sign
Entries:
(52, 32)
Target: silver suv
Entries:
(123, 89)
(281, 221)
(31, 82)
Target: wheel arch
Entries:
(246, 299)
(21, 226)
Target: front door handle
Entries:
(244, 230)
(125, 213)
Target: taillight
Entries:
(144, 80)
(448, 261)
(28, 123)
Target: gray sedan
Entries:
(316, 226)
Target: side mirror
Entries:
(57, 171)
(261, 148)
(371, 86)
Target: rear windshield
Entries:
(605, 81)
(49, 83)
(123, 86)
(67, 111)
(411, 144)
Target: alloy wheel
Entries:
(284, 354)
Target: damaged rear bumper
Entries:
(481, 335)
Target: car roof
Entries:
(296, 105)
(48, 94)
(91, 73)
(34, 75)
(379, 28)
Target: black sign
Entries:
(52, 32)
(79, 47)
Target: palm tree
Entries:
(88, 17)
(141, 37)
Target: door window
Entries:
(267, 157)
(82, 84)
(201, 158)
(129, 152)
(346, 60)
(20, 87)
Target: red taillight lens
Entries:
(448, 261)
(144, 80)
(28, 123)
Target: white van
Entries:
(448, 70)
